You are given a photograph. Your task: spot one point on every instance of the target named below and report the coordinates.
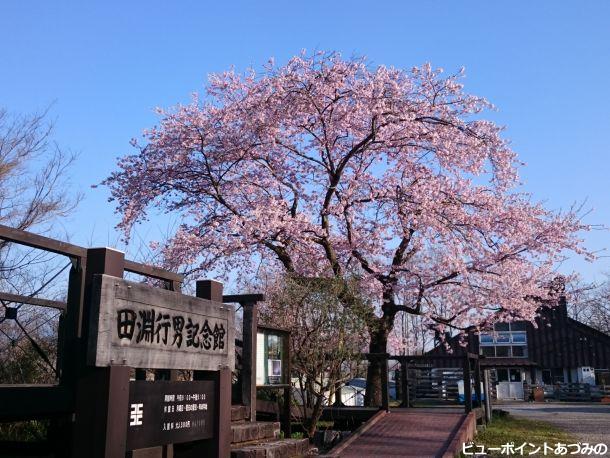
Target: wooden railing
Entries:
(575, 392)
(44, 401)
(467, 365)
(84, 405)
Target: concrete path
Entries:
(407, 433)
(586, 422)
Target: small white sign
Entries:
(136, 414)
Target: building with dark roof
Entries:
(554, 349)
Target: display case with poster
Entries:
(271, 354)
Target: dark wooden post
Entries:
(487, 395)
(220, 445)
(397, 384)
(250, 329)
(385, 386)
(248, 386)
(69, 333)
(467, 385)
(102, 393)
(404, 382)
(71, 325)
(477, 382)
(223, 390)
(287, 424)
(209, 289)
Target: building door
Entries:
(510, 384)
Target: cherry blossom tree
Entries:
(329, 167)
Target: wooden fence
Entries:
(87, 407)
(433, 377)
(567, 392)
(577, 392)
(435, 384)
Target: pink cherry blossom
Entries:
(328, 167)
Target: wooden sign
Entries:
(164, 412)
(141, 326)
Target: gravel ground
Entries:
(586, 422)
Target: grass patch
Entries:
(325, 424)
(505, 428)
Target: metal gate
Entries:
(510, 391)
(435, 384)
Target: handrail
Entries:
(152, 271)
(243, 298)
(9, 297)
(41, 242)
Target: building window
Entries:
(487, 338)
(519, 337)
(519, 351)
(502, 375)
(502, 326)
(515, 375)
(503, 337)
(488, 351)
(547, 378)
(498, 343)
(557, 374)
(502, 351)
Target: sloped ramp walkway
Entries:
(418, 432)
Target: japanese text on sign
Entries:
(146, 327)
(164, 412)
(172, 330)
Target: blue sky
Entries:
(105, 66)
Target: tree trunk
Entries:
(378, 344)
(311, 423)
